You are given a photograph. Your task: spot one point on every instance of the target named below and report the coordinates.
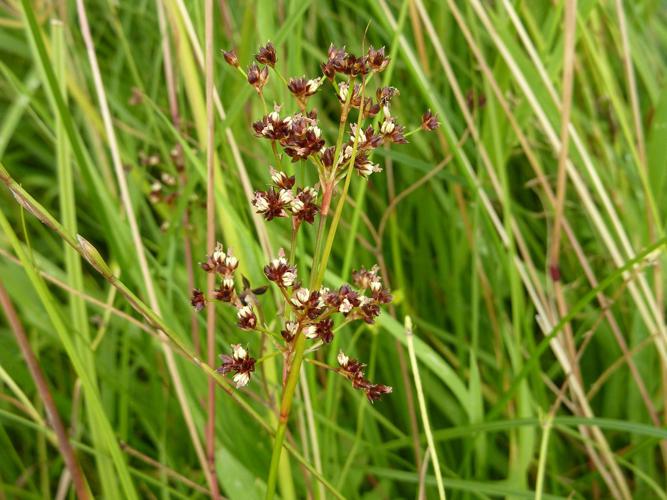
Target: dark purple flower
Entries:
(289, 332)
(322, 330)
(281, 180)
(353, 370)
(384, 95)
(374, 392)
(392, 131)
(336, 62)
(226, 292)
(266, 55)
(258, 78)
(429, 121)
(365, 278)
(240, 363)
(246, 318)
(308, 303)
(220, 262)
(303, 205)
(231, 58)
(272, 203)
(376, 59)
(271, 127)
(198, 300)
(302, 88)
(280, 272)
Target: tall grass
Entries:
(526, 242)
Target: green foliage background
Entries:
(466, 250)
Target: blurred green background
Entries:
(534, 388)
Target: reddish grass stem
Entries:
(210, 242)
(172, 97)
(43, 389)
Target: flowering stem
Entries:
(300, 340)
(261, 95)
(318, 245)
(332, 229)
(292, 246)
(280, 75)
(343, 121)
(341, 201)
(285, 408)
(322, 365)
(275, 154)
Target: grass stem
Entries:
(422, 407)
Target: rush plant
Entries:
(309, 313)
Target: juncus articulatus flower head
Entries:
(240, 363)
(266, 55)
(296, 140)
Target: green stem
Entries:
(316, 253)
(341, 201)
(292, 246)
(274, 148)
(285, 408)
(544, 447)
(332, 230)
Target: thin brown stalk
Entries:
(260, 225)
(210, 241)
(568, 80)
(64, 445)
(172, 97)
(641, 294)
(569, 232)
(632, 85)
(419, 37)
(227, 20)
(612, 368)
(554, 251)
(526, 270)
(30, 411)
(92, 255)
(421, 491)
(136, 236)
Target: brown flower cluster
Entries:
(353, 370)
(281, 200)
(240, 363)
(365, 124)
(299, 137)
(224, 265)
(314, 311)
